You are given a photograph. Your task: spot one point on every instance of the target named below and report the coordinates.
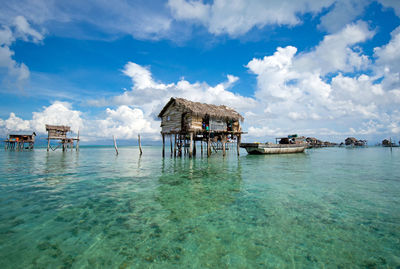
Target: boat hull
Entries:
(260, 148)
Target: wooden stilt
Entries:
(170, 142)
(194, 147)
(140, 145)
(202, 147)
(208, 146)
(223, 145)
(191, 146)
(77, 142)
(48, 141)
(175, 146)
(238, 144)
(180, 146)
(163, 145)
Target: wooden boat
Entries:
(270, 148)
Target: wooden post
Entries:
(48, 140)
(77, 142)
(202, 146)
(208, 146)
(175, 146)
(180, 146)
(191, 146)
(140, 145)
(170, 143)
(223, 145)
(115, 145)
(194, 147)
(163, 145)
(238, 144)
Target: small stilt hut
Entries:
(187, 122)
(18, 141)
(59, 132)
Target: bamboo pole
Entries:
(140, 146)
(115, 145)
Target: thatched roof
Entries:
(60, 128)
(201, 109)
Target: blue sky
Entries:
(329, 69)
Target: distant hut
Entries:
(18, 141)
(189, 121)
(59, 132)
(389, 143)
(352, 141)
(314, 142)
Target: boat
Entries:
(290, 144)
(271, 148)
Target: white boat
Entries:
(270, 148)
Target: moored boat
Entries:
(270, 148)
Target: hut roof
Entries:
(61, 128)
(201, 109)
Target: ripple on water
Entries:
(325, 208)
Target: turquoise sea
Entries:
(326, 208)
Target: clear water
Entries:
(332, 208)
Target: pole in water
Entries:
(115, 145)
(77, 142)
(140, 145)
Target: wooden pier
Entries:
(187, 123)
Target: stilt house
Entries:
(59, 132)
(189, 122)
(18, 141)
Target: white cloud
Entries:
(124, 122)
(294, 94)
(25, 31)
(238, 17)
(387, 63)
(14, 123)
(336, 52)
(395, 4)
(59, 113)
(141, 19)
(151, 96)
(16, 71)
(343, 12)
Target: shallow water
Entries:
(333, 208)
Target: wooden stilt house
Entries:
(18, 141)
(186, 122)
(59, 132)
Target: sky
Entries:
(328, 69)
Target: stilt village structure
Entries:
(187, 122)
(18, 141)
(59, 132)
